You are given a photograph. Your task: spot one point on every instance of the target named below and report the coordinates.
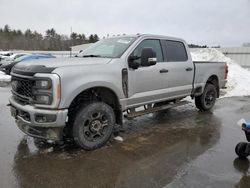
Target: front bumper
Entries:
(26, 119)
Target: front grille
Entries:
(22, 88)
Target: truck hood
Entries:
(48, 65)
(63, 62)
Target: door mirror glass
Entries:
(148, 57)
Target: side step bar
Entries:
(134, 113)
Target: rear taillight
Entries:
(226, 71)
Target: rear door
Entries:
(179, 78)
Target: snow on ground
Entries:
(4, 78)
(238, 77)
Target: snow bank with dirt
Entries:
(238, 78)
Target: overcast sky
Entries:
(212, 22)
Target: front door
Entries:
(145, 83)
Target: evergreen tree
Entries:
(96, 38)
(33, 40)
(91, 39)
(6, 29)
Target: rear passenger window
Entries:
(176, 51)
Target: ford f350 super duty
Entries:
(86, 97)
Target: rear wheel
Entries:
(93, 125)
(207, 100)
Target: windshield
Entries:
(21, 58)
(110, 47)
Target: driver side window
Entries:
(149, 43)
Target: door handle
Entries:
(189, 69)
(163, 71)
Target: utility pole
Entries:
(71, 44)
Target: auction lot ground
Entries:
(181, 147)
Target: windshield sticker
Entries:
(123, 41)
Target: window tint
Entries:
(176, 51)
(149, 43)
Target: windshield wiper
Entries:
(91, 55)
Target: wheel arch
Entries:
(215, 81)
(199, 89)
(103, 94)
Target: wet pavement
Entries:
(181, 147)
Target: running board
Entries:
(134, 113)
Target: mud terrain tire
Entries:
(207, 100)
(93, 125)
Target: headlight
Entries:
(43, 84)
(43, 99)
(46, 90)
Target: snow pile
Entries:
(238, 78)
(4, 78)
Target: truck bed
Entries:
(204, 70)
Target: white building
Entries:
(240, 55)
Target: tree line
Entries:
(197, 46)
(202, 46)
(32, 40)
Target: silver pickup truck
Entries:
(86, 97)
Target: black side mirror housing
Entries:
(131, 63)
(148, 57)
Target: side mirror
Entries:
(131, 63)
(148, 57)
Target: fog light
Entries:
(43, 118)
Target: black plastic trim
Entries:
(125, 82)
(31, 70)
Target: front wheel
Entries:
(207, 100)
(93, 125)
